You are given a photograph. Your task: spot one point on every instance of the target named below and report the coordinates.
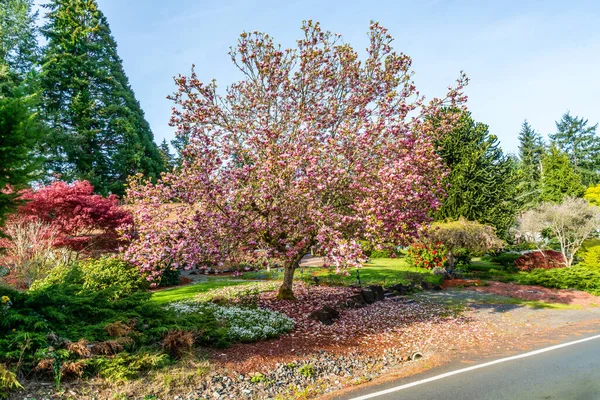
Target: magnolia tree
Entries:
(312, 147)
(570, 223)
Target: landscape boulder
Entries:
(400, 289)
(369, 296)
(378, 291)
(354, 301)
(325, 315)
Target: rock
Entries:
(378, 291)
(326, 315)
(399, 288)
(369, 296)
(354, 301)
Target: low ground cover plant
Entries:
(245, 324)
(576, 277)
(85, 321)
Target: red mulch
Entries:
(452, 283)
(538, 293)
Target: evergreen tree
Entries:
(559, 177)
(482, 180)
(179, 143)
(531, 149)
(99, 132)
(167, 156)
(19, 132)
(18, 43)
(578, 140)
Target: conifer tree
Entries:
(559, 177)
(482, 179)
(531, 149)
(20, 127)
(167, 156)
(98, 129)
(578, 140)
(18, 44)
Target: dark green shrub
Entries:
(170, 277)
(576, 277)
(56, 314)
(507, 260)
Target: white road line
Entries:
(474, 367)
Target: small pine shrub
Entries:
(427, 255)
(577, 277)
(107, 273)
(545, 259)
(307, 370)
(112, 273)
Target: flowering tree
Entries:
(80, 217)
(312, 147)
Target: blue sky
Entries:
(525, 59)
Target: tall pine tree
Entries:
(99, 132)
(531, 149)
(20, 127)
(559, 177)
(578, 140)
(18, 43)
(482, 179)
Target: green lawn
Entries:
(189, 291)
(384, 271)
(482, 269)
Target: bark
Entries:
(286, 290)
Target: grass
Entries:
(482, 269)
(189, 291)
(383, 271)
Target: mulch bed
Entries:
(538, 293)
(397, 323)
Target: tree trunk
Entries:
(286, 290)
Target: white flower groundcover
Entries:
(245, 324)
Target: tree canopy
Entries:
(313, 147)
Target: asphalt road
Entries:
(566, 373)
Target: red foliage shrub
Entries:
(83, 219)
(545, 259)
